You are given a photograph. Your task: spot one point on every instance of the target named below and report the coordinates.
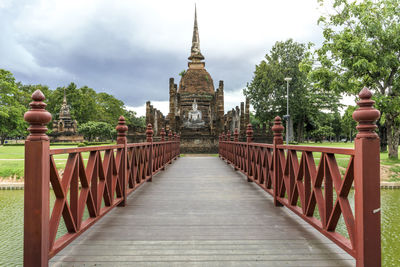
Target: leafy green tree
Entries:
(93, 130)
(132, 121)
(361, 48)
(322, 132)
(86, 106)
(109, 108)
(12, 122)
(267, 90)
(348, 123)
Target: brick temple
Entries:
(196, 108)
(65, 129)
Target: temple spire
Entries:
(195, 54)
(65, 98)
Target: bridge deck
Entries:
(199, 211)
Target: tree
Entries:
(94, 129)
(12, 122)
(267, 90)
(348, 123)
(362, 48)
(321, 133)
(109, 108)
(132, 121)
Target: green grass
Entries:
(327, 144)
(395, 176)
(384, 155)
(12, 163)
(12, 168)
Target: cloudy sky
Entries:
(131, 48)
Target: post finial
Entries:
(236, 134)
(121, 127)
(228, 136)
(37, 117)
(149, 133)
(366, 115)
(170, 135)
(277, 129)
(175, 136)
(162, 133)
(249, 133)
(223, 136)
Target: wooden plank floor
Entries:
(200, 212)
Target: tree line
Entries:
(361, 47)
(96, 113)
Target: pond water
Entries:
(11, 227)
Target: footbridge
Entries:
(254, 204)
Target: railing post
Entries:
(236, 134)
(277, 129)
(37, 180)
(249, 139)
(223, 145)
(164, 146)
(228, 147)
(235, 157)
(175, 139)
(170, 147)
(121, 139)
(219, 145)
(149, 139)
(367, 183)
(179, 145)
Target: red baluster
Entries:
(37, 180)
(277, 129)
(249, 137)
(149, 139)
(367, 183)
(122, 129)
(162, 134)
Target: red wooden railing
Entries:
(302, 185)
(109, 176)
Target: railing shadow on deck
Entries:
(302, 185)
(110, 174)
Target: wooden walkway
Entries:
(200, 212)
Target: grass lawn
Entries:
(12, 163)
(384, 156)
(392, 166)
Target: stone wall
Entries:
(199, 144)
(155, 118)
(66, 138)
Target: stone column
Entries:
(242, 123)
(247, 111)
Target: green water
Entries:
(11, 227)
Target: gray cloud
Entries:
(131, 49)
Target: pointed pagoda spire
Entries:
(65, 98)
(195, 54)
